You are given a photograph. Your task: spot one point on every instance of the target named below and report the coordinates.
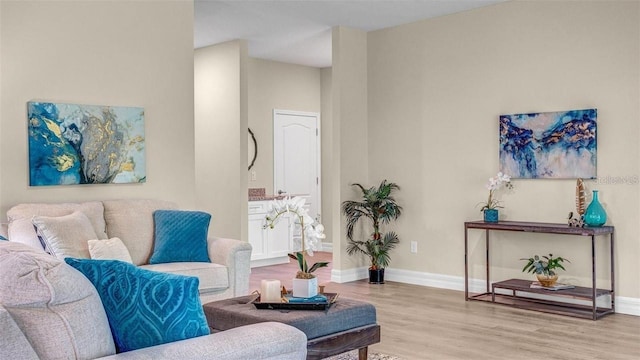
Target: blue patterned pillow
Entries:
(145, 308)
(180, 236)
(3, 238)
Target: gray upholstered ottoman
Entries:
(346, 325)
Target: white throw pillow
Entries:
(110, 249)
(65, 236)
(20, 227)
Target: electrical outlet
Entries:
(414, 247)
(253, 175)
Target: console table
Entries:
(522, 287)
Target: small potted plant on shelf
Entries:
(379, 207)
(490, 208)
(305, 284)
(544, 268)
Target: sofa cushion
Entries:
(65, 236)
(145, 308)
(180, 236)
(132, 222)
(212, 276)
(109, 249)
(57, 309)
(20, 228)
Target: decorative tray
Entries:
(331, 298)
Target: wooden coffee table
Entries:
(347, 325)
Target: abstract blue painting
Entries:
(85, 144)
(560, 145)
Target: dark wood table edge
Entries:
(546, 306)
(539, 227)
(333, 344)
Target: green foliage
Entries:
(302, 263)
(545, 266)
(379, 207)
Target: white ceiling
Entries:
(299, 31)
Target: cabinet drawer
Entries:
(258, 207)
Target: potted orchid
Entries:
(305, 283)
(490, 208)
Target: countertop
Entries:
(266, 197)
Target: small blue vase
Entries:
(595, 215)
(491, 215)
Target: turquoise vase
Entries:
(491, 215)
(595, 215)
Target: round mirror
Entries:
(253, 149)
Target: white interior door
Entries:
(296, 147)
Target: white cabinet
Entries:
(270, 246)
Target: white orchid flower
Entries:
(494, 184)
(311, 233)
(297, 203)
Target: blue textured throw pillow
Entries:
(145, 308)
(3, 238)
(180, 236)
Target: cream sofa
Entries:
(132, 221)
(49, 310)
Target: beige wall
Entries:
(436, 89)
(101, 53)
(1, 167)
(326, 130)
(348, 132)
(276, 85)
(220, 81)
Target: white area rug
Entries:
(353, 355)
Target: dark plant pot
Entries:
(376, 276)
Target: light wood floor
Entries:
(427, 323)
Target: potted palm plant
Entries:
(379, 207)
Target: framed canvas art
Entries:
(85, 144)
(558, 145)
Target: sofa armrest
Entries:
(4, 231)
(268, 340)
(236, 255)
(13, 343)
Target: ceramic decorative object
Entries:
(595, 215)
(491, 215)
(305, 288)
(580, 197)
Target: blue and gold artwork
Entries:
(85, 144)
(559, 145)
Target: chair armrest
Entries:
(267, 340)
(236, 256)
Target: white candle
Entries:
(270, 291)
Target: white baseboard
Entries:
(349, 275)
(327, 247)
(271, 261)
(624, 305)
(627, 305)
